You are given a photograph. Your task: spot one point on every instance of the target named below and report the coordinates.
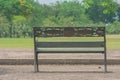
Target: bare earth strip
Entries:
(59, 72)
(28, 53)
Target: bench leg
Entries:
(36, 63)
(105, 62)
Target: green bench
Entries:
(94, 46)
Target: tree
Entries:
(113, 28)
(37, 17)
(3, 26)
(101, 10)
(12, 8)
(72, 9)
(118, 12)
(65, 13)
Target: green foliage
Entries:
(3, 26)
(65, 14)
(37, 16)
(62, 21)
(12, 8)
(118, 12)
(113, 28)
(15, 7)
(17, 17)
(18, 20)
(101, 10)
(110, 6)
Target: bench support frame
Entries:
(65, 32)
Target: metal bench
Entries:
(66, 46)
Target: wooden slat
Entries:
(70, 50)
(69, 44)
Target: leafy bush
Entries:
(113, 28)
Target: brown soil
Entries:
(29, 54)
(59, 72)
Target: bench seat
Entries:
(71, 50)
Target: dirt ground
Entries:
(18, 53)
(59, 72)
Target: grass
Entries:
(16, 43)
(113, 42)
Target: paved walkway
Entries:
(59, 72)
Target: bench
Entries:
(94, 46)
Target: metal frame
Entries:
(65, 32)
(105, 52)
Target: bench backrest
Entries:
(69, 32)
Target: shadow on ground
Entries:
(74, 72)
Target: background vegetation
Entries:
(17, 17)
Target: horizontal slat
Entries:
(70, 50)
(69, 44)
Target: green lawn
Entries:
(16, 42)
(113, 42)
